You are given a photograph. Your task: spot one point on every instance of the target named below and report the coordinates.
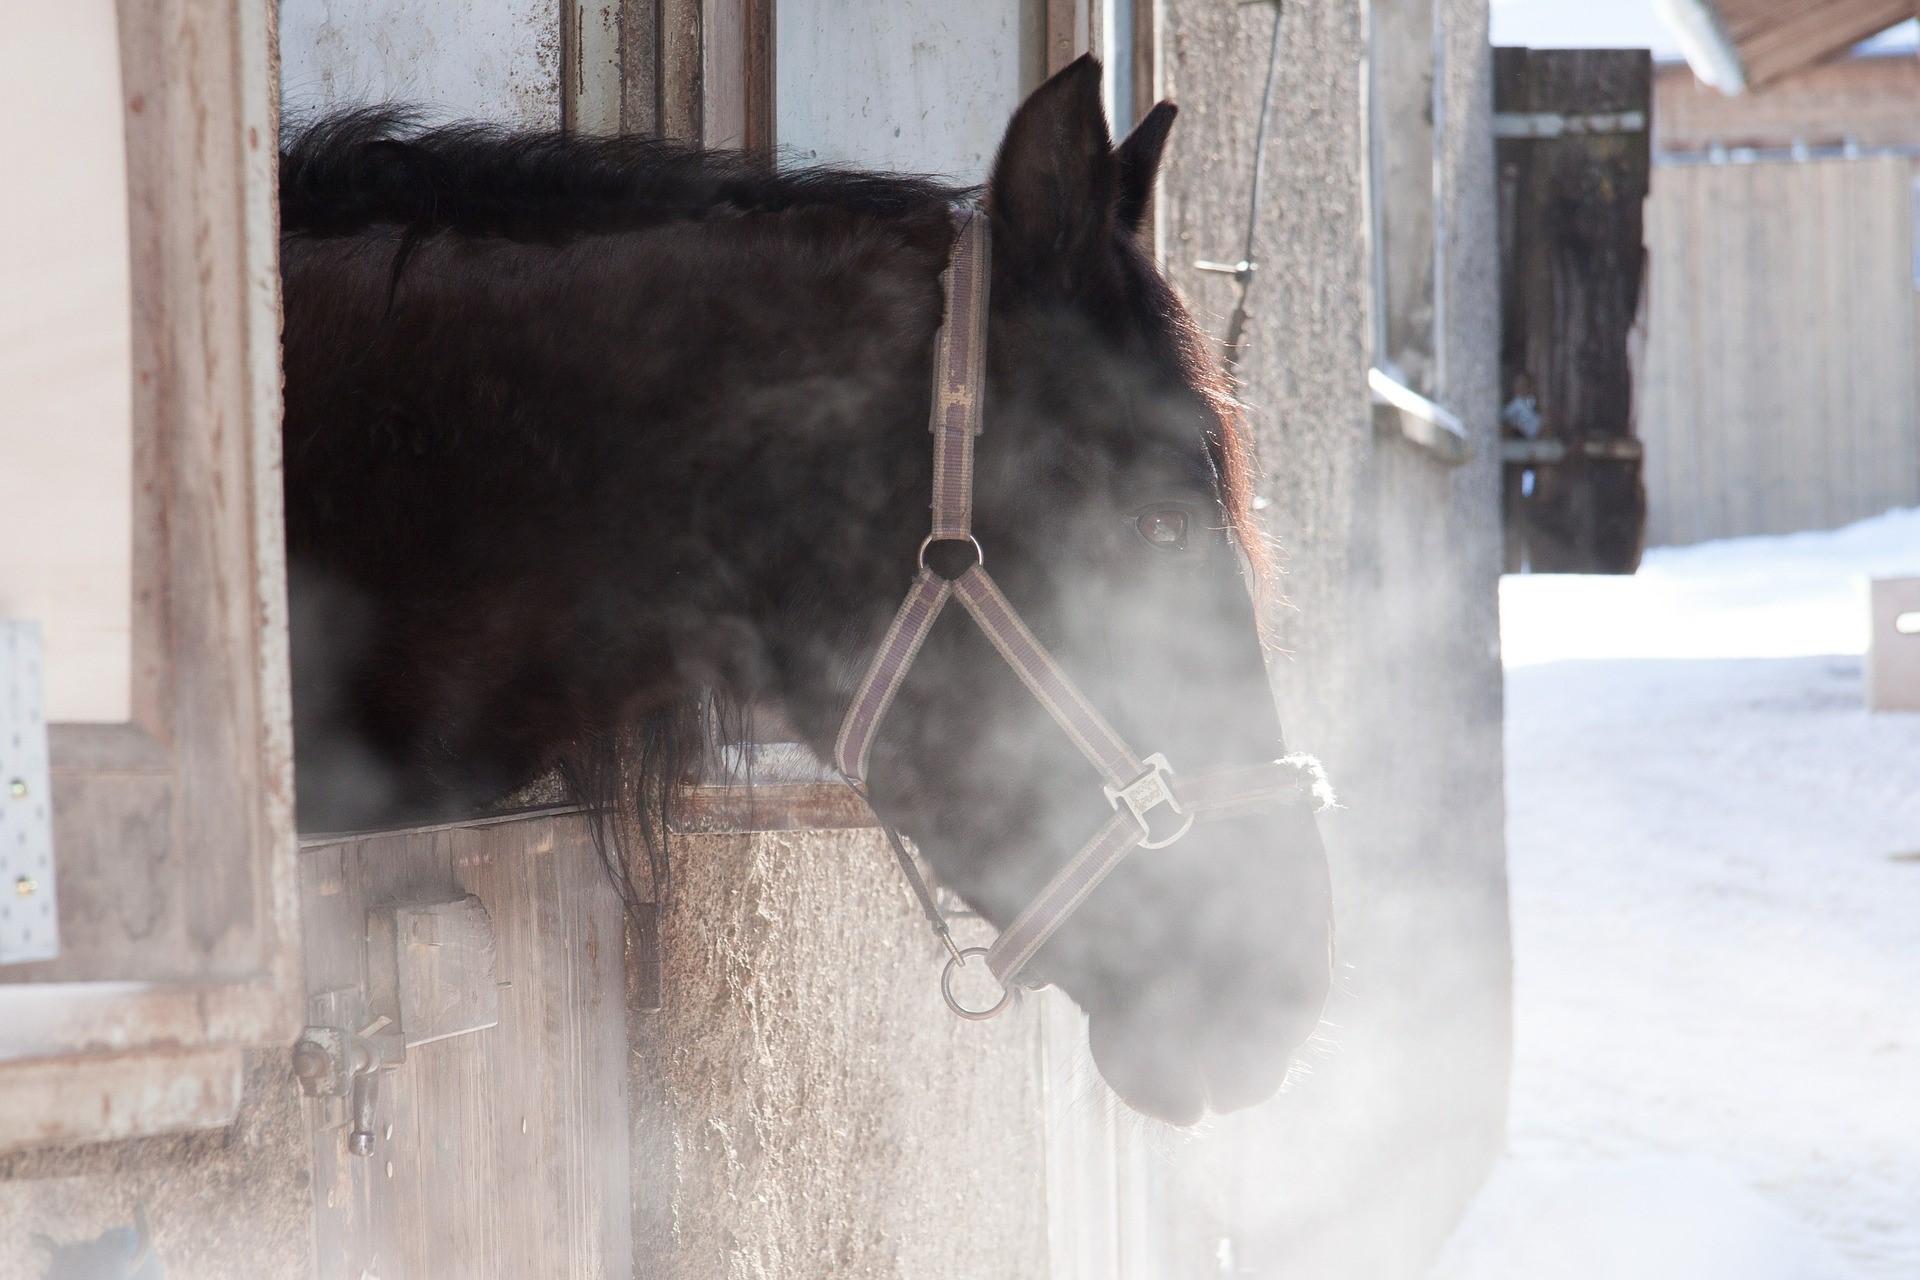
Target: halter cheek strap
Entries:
(1153, 807)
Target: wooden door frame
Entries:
(174, 831)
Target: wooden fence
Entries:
(1776, 390)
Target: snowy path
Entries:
(1715, 865)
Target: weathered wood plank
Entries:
(1778, 37)
(118, 1096)
(1778, 389)
(1572, 267)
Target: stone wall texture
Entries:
(805, 1105)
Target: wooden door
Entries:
(1573, 151)
(498, 1153)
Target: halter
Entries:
(1153, 806)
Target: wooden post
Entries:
(713, 75)
(1574, 161)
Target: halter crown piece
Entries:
(1153, 806)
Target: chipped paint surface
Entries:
(492, 60)
(922, 86)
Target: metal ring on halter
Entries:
(979, 556)
(1007, 994)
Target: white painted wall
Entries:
(66, 435)
(923, 86)
(459, 59)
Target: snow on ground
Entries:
(1715, 865)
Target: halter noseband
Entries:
(1140, 788)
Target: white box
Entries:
(1893, 651)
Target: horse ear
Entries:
(1052, 191)
(1139, 158)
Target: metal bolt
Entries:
(360, 1142)
(26, 886)
(311, 1061)
(17, 788)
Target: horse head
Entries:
(1111, 503)
(580, 432)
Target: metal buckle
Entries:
(1145, 794)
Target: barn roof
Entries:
(1741, 44)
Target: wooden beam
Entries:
(131, 1095)
(1777, 37)
(590, 74)
(678, 70)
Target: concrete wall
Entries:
(805, 1105)
(1390, 669)
(230, 1204)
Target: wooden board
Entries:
(1777, 391)
(502, 1153)
(66, 486)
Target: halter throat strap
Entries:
(1153, 807)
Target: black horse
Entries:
(585, 437)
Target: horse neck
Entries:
(788, 375)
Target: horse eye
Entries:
(1165, 528)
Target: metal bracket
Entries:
(1429, 425)
(429, 976)
(1554, 124)
(1548, 453)
(29, 917)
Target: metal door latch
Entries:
(429, 976)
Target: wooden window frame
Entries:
(174, 832)
(709, 72)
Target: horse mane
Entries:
(349, 172)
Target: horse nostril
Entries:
(1154, 1073)
(1246, 1060)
